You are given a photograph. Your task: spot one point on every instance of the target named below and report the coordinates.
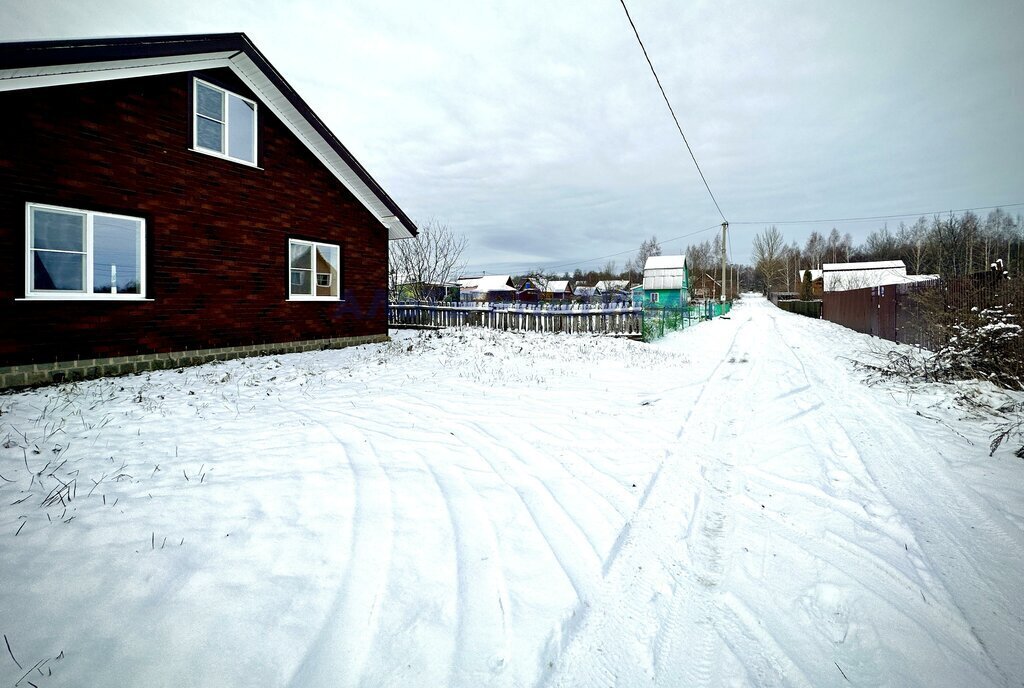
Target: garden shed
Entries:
(666, 281)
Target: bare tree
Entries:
(814, 250)
(700, 260)
(417, 267)
(916, 247)
(880, 245)
(952, 239)
(769, 258)
(649, 247)
(833, 246)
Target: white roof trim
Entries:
(59, 75)
(253, 77)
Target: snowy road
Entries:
(825, 534)
(729, 506)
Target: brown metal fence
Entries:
(920, 314)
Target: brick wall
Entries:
(217, 231)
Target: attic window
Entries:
(224, 124)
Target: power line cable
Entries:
(670, 109)
(874, 217)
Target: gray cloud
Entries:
(536, 129)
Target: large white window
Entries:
(82, 254)
(224, 124)
(314, 271)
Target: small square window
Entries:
(314, 271)
(224, 124)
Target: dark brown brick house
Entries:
(166, 201)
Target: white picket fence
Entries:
(621, 319)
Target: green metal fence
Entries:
(812, 309)
(657, 321)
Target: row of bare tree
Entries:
(951, 246)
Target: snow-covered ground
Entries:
(732, 505)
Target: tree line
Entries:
(950, 246)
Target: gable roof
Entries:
(557, 286)
(665, 272)
(38, 64)
(532, 284)
(611, 285)
(665, 262)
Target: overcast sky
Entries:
(536, 128)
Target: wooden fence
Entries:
(615, 319)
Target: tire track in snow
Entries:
(846, 507)
(616, 495)
(483, 599)
(689, 641)
(764, 658)
(567, 541)
(866, 568)
(616, 639)
(339, 653)
(908, 488)
(562, 492)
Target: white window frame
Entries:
(87, 295)
(313, 281)
(227, 124)
(654, 297)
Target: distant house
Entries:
(530, 289)
(172, 200)
(584, 293)
(849, 276)
(817, 282)
(666, 281)
(558, 290)
(612, 291)
(487, 288)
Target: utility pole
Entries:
(725, 229)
